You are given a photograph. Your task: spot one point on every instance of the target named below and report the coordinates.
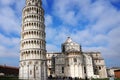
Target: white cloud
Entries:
(48, 20)
(19, 6)
(52, 48)
(64, 10)
(45, 3)
(50, 33)
(10, 14)
(114, 40)
(9, 46)
(9, 22)
(7, 2)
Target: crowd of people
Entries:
(65, 78)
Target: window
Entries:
(62, 69)
(99, 61)
(36, 62)
(75, 59)
(99, 68)
(36, 68)
(97, 55)
(24, 63)
(30, 72)
(29, 3)
(84, 69)
(96, 61)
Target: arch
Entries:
(99, 67)
(32, 32)
(29, 3)
(30, 72)
(37, 42)
(29, 32)
(26, 24)
(29, 8)
(32, 8)
(34, 42)
(35, 52)
(36, 62)
(37, 11)
(28, 42)
(32, 51)
(37, 33)
(32, 24)
(32, 16)
(31, 42)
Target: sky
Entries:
(94, 24)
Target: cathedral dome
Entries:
(69, 46)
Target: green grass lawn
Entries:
(9, 78)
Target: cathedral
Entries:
(36, 64)
(73, 62)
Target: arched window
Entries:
(75, 59)
(36, 68)
(99, 68)
(30, 72)
(62, 69)
(29, 3)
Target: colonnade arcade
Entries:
(26, 44)
(33, 25)
(30, 54)
(33, 9)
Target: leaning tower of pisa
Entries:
(33, 45)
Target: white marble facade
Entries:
(33, 64)
(72, 62)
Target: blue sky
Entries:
(94, 24)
